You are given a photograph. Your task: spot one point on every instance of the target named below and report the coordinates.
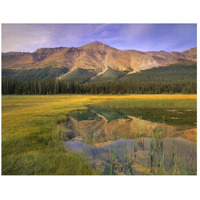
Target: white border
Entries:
(101, 187)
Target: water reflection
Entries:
(129, 156)
(117, 140)
(104, 124)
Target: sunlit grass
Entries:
(32, 135)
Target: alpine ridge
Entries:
(94, 58)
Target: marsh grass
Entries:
(32, 136)
(158, 160)
(33, 131)
(152, 109)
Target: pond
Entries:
(136, 137)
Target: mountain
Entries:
(86, 63)
(182, 71)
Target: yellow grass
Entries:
(31, 130)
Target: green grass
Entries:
(32, 133)
(32, 136)
(183, 111)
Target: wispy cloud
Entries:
(24, 37)
(29, 37)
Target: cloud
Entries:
(29, 37)
(22, 37)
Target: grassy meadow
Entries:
(32, 131)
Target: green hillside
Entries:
(80, 75)
(43, 73)
(108, 75)
(175, 72)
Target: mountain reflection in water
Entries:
(97, 134)
(131, 157)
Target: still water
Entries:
(123, 139)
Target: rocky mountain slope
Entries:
(94, 58)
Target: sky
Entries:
(143, 37)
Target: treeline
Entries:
(55, 86)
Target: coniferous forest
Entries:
(53, 86)
(162, 80)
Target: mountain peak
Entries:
(96, 44)
(95, 56)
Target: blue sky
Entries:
(144, 37)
